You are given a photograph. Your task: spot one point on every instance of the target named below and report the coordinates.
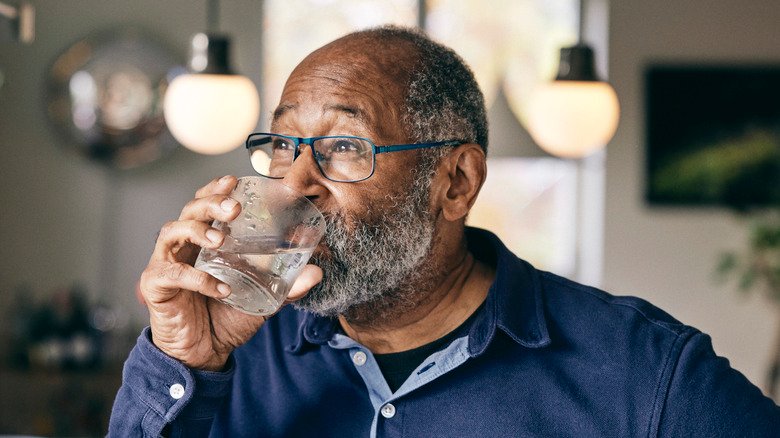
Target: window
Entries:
(294, 28)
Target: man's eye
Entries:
(343, 146)
(282, 144)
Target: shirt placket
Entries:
(387, 405)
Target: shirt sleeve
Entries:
(159, 392)
(708, 398)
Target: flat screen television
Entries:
(713, 135)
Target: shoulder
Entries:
(691, 390)
(624, 334)
(592, 307)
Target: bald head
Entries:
(375, 49)
(429, 88)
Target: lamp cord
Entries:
(581, 24)
(422, 10)
(212, 17)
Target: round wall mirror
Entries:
(105, 95)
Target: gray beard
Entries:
(374, 270)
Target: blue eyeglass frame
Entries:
(297, 141)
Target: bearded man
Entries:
(407, 322)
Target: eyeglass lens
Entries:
(339, 158)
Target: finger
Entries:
(310, 276)
(208, 208)
(178, 234)
(163, 281)
(218, 186)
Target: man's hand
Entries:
(187, 321)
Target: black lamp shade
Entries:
(577, 64)
(210, 54)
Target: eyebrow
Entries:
(280, 110)
(351, 111)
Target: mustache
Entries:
(335, 226)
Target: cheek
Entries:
(361, 203)
(345, 200)
(368, 200)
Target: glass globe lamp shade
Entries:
(572, 119)
(211, 113)
(211, 110)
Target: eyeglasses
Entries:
(340, 158)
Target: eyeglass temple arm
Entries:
(406, 147)
(257, 142)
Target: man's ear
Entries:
(458, 180)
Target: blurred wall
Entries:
(66, 219)
(669, 255)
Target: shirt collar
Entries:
(514, 303)
(313, 329)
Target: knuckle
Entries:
(145, 277)
(215, 203)
(192, 204)
(167, 229)
(201, 192)
(200, 279)
(175, 271)
(150, 280)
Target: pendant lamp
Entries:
(576, 114)
(211, 110)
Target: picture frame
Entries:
(712, 135)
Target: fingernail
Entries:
(228, 204)
(224, 180)
(224, 289)
(214, 235)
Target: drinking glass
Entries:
(266, 246)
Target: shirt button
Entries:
(388, 411)
(359, 358)
(176, 391)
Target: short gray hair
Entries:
(443, 100)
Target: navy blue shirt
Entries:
(544, 356)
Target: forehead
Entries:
(351, 86)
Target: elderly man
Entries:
(408, 323)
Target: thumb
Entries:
(310, 276)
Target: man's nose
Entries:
(303, 175)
